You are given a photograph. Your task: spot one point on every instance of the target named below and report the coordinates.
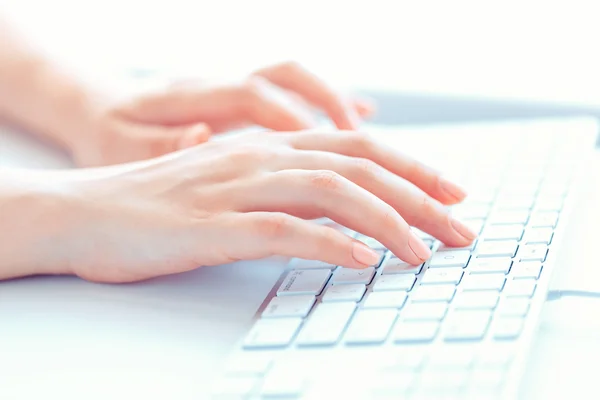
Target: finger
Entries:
(292, 76)
(268, 105)
(360, 145)
(316, 194)
(263, 234)
(153, 141)
(364, 107)
(415, 206)
(255, 101)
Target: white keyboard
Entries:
(458, 326)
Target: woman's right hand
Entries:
(250, 197)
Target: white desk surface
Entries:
(63, 338)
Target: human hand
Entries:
(280, 97)
(250, 197)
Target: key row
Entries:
(332, 321)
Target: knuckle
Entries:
(249, 155)
(429, 210)
(366, 168)
(325, 180)
(274, 226)
(358, 140)
(253, 87)
(289, 66)
(416, 169)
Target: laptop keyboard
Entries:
(457, 326)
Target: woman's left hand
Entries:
(283, 97)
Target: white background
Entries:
(511, 49)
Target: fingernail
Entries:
(462, 229)
(418, 247)
(364, 254)
(452, 189)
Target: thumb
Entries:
(192, 135)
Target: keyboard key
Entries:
(422, 235)
(544, 220)
(532, 252)
(352, 275)
(272, 332)
(503, 232)
(440, 383)
(483, 282)
(519, 288)
(513, 307)
(394, 282)
(351, 292)
(476, 225)
(442, 275)
(486, 379)
(304, 282)
(507, 328)
(485, 299)
(511, 202)
(391, 384)
(370, 326)
(443, 247)
(326, 324)
(392, 299)
(341, 228)
(486, 265)
(527, 269)
(249, 363)
(369, 241)
(555, 189)
(283, 382)
(494, 358)
(434, 293)
(289, 306)
(509, 217)
(413, 331)
(424, 311)
(451, 358)
(551, 203)
(471, 211)
(238, 387)
(398, 359)
(457, 258)
(466, 325)
(538, 235)
(506, 248)
(311, 264)
(396, 266)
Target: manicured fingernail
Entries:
(462, 229)
(452, 189)
(364, 254)
(418, 247)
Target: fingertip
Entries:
(197, 134)
(453, 193)
(364, 107)
(420, 251)
(364, 255)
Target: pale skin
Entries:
(173, 200)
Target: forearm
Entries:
(35, 216)
(39, 96)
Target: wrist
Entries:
(43, 99)
(38, 214)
